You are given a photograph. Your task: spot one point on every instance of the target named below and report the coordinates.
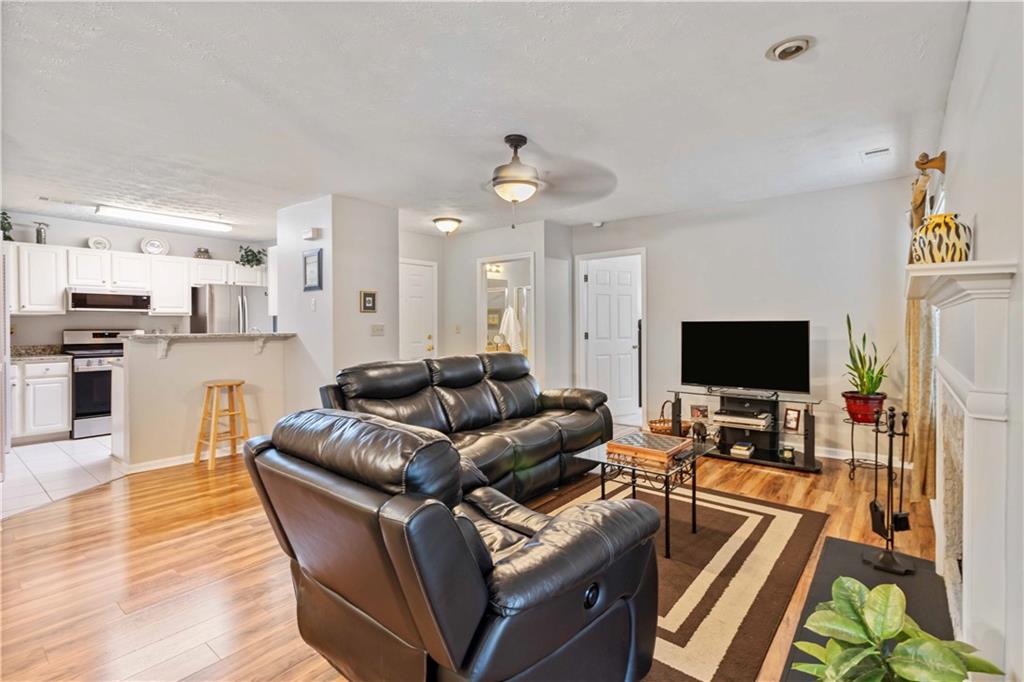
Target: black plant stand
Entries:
(856, 462)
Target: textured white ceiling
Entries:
(235, 110)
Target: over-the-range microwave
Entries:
(98, 299)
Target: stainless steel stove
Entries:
(91, 350)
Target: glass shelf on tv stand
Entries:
(711, 392)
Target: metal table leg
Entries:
(632, 479)
(668, 517)
(602, 479)
(693, 495)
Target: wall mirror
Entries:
(505, 304)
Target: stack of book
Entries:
(742, 449)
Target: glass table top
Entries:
(599, 453)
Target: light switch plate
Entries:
(376, 330)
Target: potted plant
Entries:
(872, 639)
(251, 258)
(6, 226)
(866, 374)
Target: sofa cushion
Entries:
(400, 391)
(580, 428)
(534, 440)
(514, 388)
(494, 455)
(467, 402)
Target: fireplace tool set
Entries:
(891, 518)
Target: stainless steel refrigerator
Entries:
(222, 308)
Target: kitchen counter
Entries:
(38, 353)
(60, 357)
(165, 341)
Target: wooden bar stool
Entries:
(238, 421)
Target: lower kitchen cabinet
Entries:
(40, 398)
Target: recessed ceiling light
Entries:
(788, 49)
(447, 225)
(161, 219)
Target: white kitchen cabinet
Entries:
(248, 277)
(171, 286)
(88, 268)
(47, 405)
(11, 263)
(42, 279)
(130, 271)
(208, 271)
(16, 399)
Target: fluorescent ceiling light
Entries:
(161, 219)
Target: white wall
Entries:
(309, 357)
(982, 136)
(558, 305)
(813, 256)
(360, 252)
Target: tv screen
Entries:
(771, 355)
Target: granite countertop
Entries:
(208, 337)
(39, 352)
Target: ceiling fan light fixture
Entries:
(447, 225)
(515, 181)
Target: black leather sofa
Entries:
(399, 576)
(490, 406)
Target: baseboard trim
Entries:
(824, 451)
(166, 462)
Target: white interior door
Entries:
(417, 313)
(612, 346)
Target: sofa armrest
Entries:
(572, 399)
(572, 550)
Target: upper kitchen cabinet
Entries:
(10, 250)
(129, 270)
(171, 290)
(42, 279)
(208, 271)
(248, 277)
(88, 268)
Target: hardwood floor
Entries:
(175, 574)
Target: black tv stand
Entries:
(766, 440)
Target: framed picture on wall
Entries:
(698, 411)
(367, 301)
(313, 270)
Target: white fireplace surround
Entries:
(972, 369)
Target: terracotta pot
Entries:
(942, 238)
(862, 407)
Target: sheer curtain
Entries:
(921, 339)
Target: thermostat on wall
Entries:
(311, 234)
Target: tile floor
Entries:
(43, 472)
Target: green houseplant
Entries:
(6, 226)
(251, 258)
(872, 639)
(866, 374)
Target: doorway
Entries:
(505, 305)
(417, 309)
(609, 343)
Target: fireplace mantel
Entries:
(972, 398)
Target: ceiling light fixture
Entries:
(514, 181)
(161, 219)
(788, 49)
(447, 225)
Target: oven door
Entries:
(107, 300)
(91, 392)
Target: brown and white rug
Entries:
(724, 591)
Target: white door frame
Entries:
(481, 300)
(580, 317)
(437, 294)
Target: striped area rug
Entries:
(724, 591)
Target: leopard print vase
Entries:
(942, 238)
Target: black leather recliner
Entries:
(399, 577)
(521, 438)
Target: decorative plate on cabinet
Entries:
(154, 246)
(99, 243)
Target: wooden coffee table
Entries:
(648, 472)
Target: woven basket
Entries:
(663, 425)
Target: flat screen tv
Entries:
(763, 355)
